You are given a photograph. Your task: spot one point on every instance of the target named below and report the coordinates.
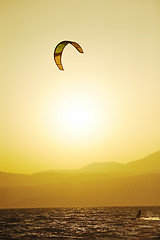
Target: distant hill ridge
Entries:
(103, 167)
(148, 164)
(98, 184)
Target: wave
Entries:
(151, 218)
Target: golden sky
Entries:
(105, 105)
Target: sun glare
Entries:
(76, 118)
(80, 117)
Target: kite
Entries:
(59, 49)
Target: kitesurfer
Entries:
(138, 214)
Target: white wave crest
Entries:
(151, 218)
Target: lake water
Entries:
(80, 223)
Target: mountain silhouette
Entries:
(98, 184)
(149, 164)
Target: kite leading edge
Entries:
(59, 49)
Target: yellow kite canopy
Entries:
(59, 49)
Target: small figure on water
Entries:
(138, 215)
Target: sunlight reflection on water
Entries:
(80, 223)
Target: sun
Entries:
(76, 118)
(79, 115)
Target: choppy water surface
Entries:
(80, 223)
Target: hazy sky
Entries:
(105, 105)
